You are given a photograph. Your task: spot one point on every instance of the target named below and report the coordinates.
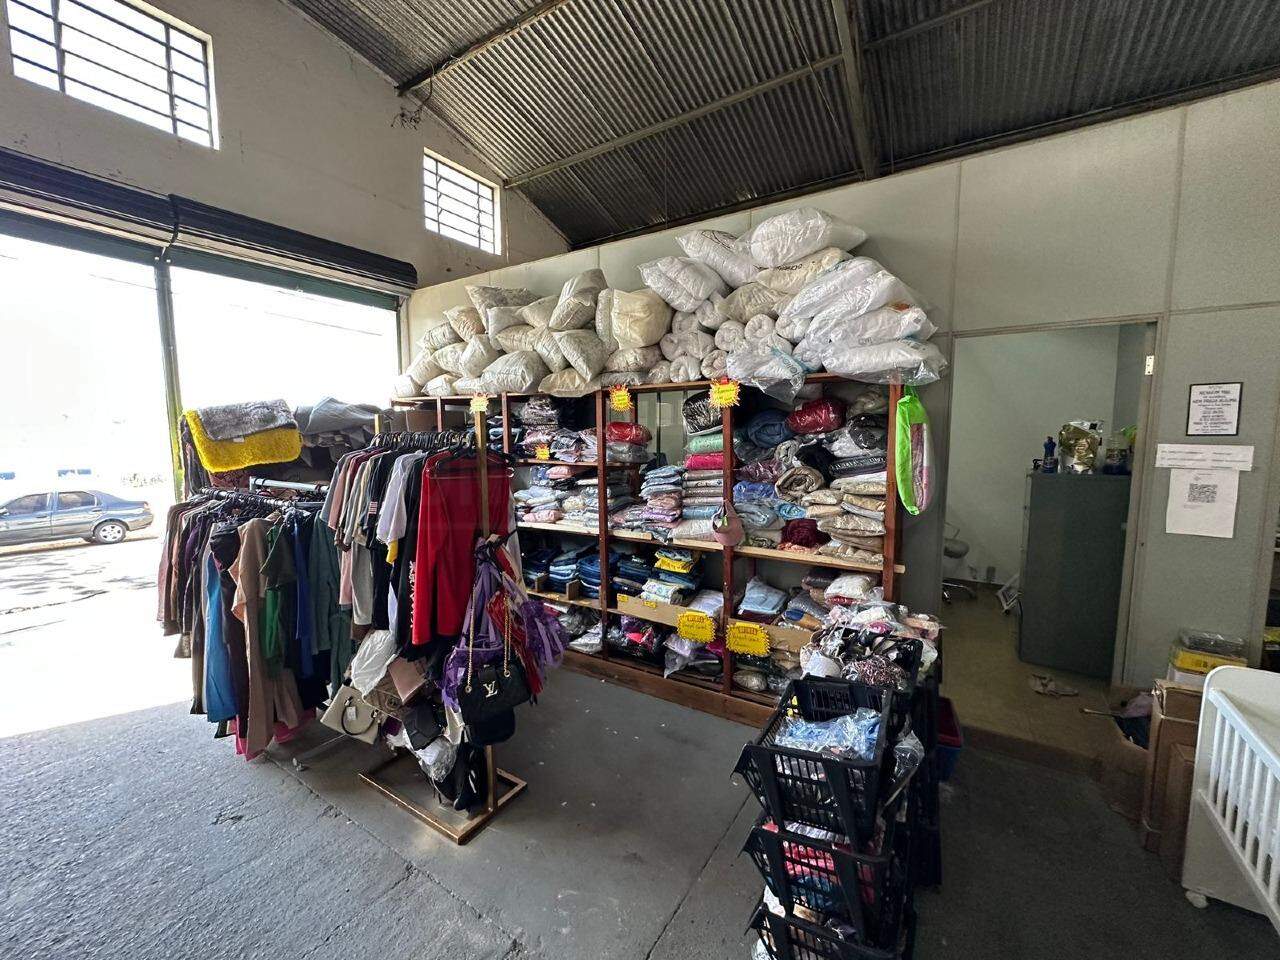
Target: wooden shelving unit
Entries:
(719, 697)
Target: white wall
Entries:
(1168, 216)
(306, 142)
(1007, 395)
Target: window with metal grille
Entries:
(117, 56)
(458, 205)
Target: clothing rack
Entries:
(244, 496)
(256, 483)
(461, 827)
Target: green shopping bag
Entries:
(913, 455)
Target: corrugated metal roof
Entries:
(938, 76)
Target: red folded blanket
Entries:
(704, 461)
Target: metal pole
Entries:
(169, 363)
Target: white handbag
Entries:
(348, 713)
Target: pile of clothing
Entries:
(590, 577)
(537, 563)
(563, 568)
(784, 299)
(761, 602)
(676, 576)
(874, 642)
(704, 659)
(639, 638)
(632, 573)
(662, 491)
(582, 506)
(626, 442)
(543, 500)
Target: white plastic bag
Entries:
(793, 329)
(790, 278)
(441, 335)
(515, 339)
(442, 386)
(577, 305)
(370, 663)
(878, 290)
(604, 320)
(640, 318)
(682, 282)
(449, 359)
(497, 319)
(437, 758)
(423, 369)
(544, 342)
(567, 383)
(584, 351)
(714, 364)
(633, 359)
(731, 335)
(403, 386)
(468, 386)
(660, 373)
(482, 297)
(685, 322)
(685, 370)
(695, 343)
(772, 371)
(477, 355)
(797, 233)
(828, 288)
(465, 321)
(898, 361)
(746, 302)
(623, 378)
(514, 373)
(898, 321)
(670, 346)
(720, 251)
(538, 313)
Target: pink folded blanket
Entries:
(704, 461)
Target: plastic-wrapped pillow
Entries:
(797, 233)
(515, 339)
(670, 347)
(497, 319)
(897, 321)
(770, 370)
(685, 370)
(660, 372)
(449, 359)
(759, 327)
(790, 278)
(584, 351)
(423, 369)
(403, 386)
(623, 378)
(479, 353)
(684, 322)
(696, 343)
(514, 373)
(604, 319)
(468, 386)
(441, 335)
(538, 313)
(720, 251)
(482, 297)
(442, 386)
(633, 359)
(574, 312)
(794, 329)
(567, 383)
(747, 302)
(544, 342)
(714, 364)
(682, 282)
(845, 283)
(903, 361)
(731, 335)
(817, 416)
(467, 322)
(809, 355)
(640, 318)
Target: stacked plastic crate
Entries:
(834, 841)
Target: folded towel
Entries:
(278, 445)
(242, 419)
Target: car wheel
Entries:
(109, 531)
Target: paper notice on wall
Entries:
(1202, 503)
(1205, 456)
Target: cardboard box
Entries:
(654, 610)
(1122, 766)
(1177, 809)
(782, 636)
(1175, 721)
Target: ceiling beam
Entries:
(664, 125)
(927, 24)
(508, 29)
(860, 127)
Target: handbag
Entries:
(492, 689)
(726, 526)
(349, 713)
(408, 676)
(384, 699)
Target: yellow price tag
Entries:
(650, 604)
(749, 639)
(542, 452)
(619, 399)
(696, 627)
(480, 405)
(724, 393)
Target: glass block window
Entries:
(458, 205)
(119, 57)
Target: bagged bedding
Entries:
(515, 339)
(423, 369)
(441, 386)
(604, 320)
(768, 369)
(746, 302)
(790, 278)
(636, 359)
(403, 386)
(545, 344)
(468, 386)
(497, 319)
(514, 373)
(477, 355)
(639, 318)
(683, 282)
(720, 251)
(449, 359)
(897, 321)
(567, 383)
(466, 322)
(538, 313)
(441, 335)
(898, 361)
(684, 370)
(583, 351)
(577, 305)
(660, 372)
(797, 233)
(482, 297)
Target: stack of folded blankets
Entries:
(543, 500)
(762, 602)
(582, 506)
(661, 490)
(589, 573)
(676, 576)
(627, 442)
(632, 573)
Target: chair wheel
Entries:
(1197, 900)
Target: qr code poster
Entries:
(1202, 503)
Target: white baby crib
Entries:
(1233, 834)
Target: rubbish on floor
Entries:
(1042, 683)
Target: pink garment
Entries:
(704, 461)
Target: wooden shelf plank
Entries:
(809, 559)
(558, 528)
(558, 598)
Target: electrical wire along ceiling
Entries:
(617, 116)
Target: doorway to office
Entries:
(1045, 436)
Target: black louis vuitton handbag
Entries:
(492, 691)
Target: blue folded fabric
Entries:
(685, 580)
(753, 490)
(768, 428)
(788, 510)
(761, 598)
(700, 512)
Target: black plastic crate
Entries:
(866, 892)
(791, 938)
(841, 796)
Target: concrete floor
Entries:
(989, 686)
(139, 836)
